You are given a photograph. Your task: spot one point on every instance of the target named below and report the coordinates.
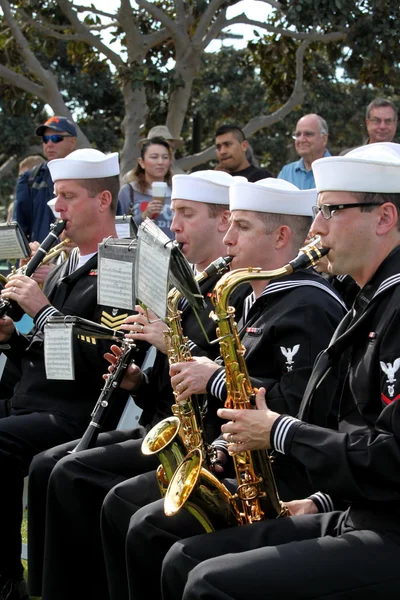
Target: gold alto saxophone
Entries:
(173, 437)
(257, 496)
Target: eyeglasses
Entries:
(307, 134)
(328, 210)
(377, 121)
(56, 138)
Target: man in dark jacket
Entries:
(344, 542)
(42, 412)
(73, 544)
(35, 187)
(286, 323)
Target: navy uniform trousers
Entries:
(311, 557)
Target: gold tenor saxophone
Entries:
(257, 496)
(172, 438)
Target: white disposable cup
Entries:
(158, 189)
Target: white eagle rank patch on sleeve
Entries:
(390, 370)
(288, 353)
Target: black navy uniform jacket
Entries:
(74, 294)
(156, 397)
(283, 331)
(359, 464)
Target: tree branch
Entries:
(188, 162)
(7, 166)
(31, 61)
(134, 42)
(88, 37)
(206, 19)
(92, 9)
(333, 36)
(162, 17)
(180, 13)
(215, 29)
(22, 82)
(56, 30)
(296, 97)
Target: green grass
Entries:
(24, 533)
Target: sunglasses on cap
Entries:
(56, 138)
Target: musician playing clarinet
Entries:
(44, 412)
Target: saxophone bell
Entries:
(164, 440)
(202, 494)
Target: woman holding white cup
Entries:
(148, 195)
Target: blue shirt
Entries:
(297, 174)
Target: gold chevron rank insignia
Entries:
(112, 321)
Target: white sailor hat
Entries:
(370, 168)
(211, 187)
(272, 196)
(51, 204)
(86, 163)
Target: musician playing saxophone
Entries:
(343, 544)
(285, 325)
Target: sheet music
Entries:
(152, 268)
(116, 283)
(116, 279)
(10, 246)
(58, 353)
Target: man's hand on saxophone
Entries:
(248, 429)
(26, 292)
(191, 377)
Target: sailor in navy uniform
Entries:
(344, 542)
(286, 323)
(41, 412)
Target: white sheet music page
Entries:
(115, 282)
(152, 267)
(58, 352)
(10, 246)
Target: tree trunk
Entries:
(135, 115)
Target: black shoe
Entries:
(13, 590)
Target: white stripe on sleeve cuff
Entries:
(281, 432)
(218, 385)
(42, 320)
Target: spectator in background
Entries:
(175, 144)
(29, 162)
(232, 146)
(35, 186)
(310, 139)
(381, 121)
(135, 197)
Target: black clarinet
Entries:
(10, 307)
(88, 440)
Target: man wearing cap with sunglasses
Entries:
(35, 187)
(344, 544)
